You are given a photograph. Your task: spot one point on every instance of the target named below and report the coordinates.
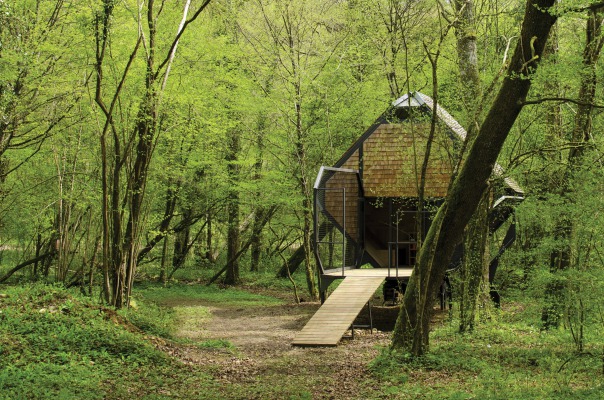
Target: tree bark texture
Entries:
(467, 54)
(411, 329)
(476, 238)
(472, 274)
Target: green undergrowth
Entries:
(54, 343)
(258, 281)
(174, 294)
(501, 359)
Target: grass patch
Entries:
(190, 321)
(179, 294)
(217, 344)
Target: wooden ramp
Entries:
(335, 316)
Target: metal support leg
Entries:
(370, 326)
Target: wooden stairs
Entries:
(339, 311)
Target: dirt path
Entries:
(263, 355)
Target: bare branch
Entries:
(173, 49)
(179, 34)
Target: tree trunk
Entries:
(257, 239)
(467, 54)
(209, 253)
(181, 241)
(260, 209)
(411, 329)
(476, 238)
(472, 274)
(306, 210)
(121, 241)
(164, 260)
(232, 272)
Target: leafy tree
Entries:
(581, 136)
(39, 101)
(127, 151)
(298, 43)
(411, 330)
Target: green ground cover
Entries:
(209, 295)
(56, 343)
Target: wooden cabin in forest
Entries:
(366, 218)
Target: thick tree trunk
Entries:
(472, 274)
(476, 238)
(411, 329)
(467, 54)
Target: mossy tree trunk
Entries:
(475, 260)
(411, 329)
(476, 238)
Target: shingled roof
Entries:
(389, 154)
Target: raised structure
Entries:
(366, 206)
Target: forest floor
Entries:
(192, 341)
(250, 356)
(262, 352)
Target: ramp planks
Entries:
(335, 316)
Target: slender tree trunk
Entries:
(256, 247)
(181, 241)
(164, 260)
(300, 156)
(411, 329)
(209, 245)
(38, 249)
(306, 210)
(232, 272)
(308, 263)
(121, 240)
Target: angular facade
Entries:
(366, 205)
